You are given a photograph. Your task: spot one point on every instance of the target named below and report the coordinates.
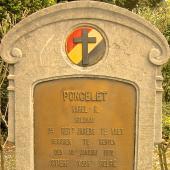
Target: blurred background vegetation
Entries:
(155, 11)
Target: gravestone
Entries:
(84, 88)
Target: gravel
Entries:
(9, 157)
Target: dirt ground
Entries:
(9, 155)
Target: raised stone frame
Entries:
(35, 51)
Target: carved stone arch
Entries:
(64, 12)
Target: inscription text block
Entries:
(84, 123)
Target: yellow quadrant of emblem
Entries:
(75, 54)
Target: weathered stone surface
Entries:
(35, 48)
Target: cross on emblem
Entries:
(85, 46)
(85, 40)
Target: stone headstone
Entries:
(84, 88)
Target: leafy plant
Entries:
(166, 121)
(157, 16)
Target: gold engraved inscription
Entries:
(111, 131)
(83, 163)
(107, 163)
(85, 142)
(50, 130)
(89, 152)
(84, 120)
(57, 152)
(108, 152)
(84, 123)
(79, 109)
(67, 131)
(59, 163)
(60, 141)
(85, 96)
(85, 131)
(106, 142)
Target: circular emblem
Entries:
(85, 46)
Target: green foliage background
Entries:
(155, 11)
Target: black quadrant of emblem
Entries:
(85, 40)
